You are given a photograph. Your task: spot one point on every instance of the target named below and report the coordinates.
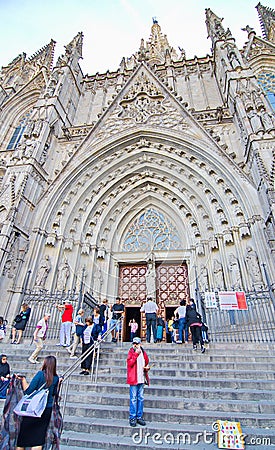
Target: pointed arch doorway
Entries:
(172, 285)
(151, 242)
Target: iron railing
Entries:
(256, 324)
(41, 303)
(95, 351)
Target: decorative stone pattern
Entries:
(165, 154)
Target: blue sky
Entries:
(113, 28)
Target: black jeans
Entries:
(196, 335)
(86, 364)
(151, 322)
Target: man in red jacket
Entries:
(137, 372)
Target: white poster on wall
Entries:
(210, 300)
(232, 300)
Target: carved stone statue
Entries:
(43, 272)
(204, 285)
(267, 120)
(253, 266)
(218, 275)
(151, 280)
(234, 268)
(255, 121)
(98, 280)
(63, 275)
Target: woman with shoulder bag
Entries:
(20, 323)
(33, 429)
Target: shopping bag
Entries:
(230, 435)
(34, 404)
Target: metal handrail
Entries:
(96, 346)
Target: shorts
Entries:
(118, 324)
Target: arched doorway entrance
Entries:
(171, 283)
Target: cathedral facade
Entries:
(157, 178)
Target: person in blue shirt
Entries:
(33, 429)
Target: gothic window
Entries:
(267, 82)
(3, 216)
(18, 132)
(151, 231)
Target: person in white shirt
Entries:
(92, 333)
(39, 337)
(180, 312)
(150, 309)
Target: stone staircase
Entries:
(189, 392)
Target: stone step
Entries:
(180, 390)
(154, 435)
(186, 392)
(175, 350)
(179, 403)
(200, 373)
(249, 367)
(165, 366)
(90, 409)
(235, 352)
(207, 381)
(189, 391)
(197, 364)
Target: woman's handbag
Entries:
(18, 318)
(34, 404)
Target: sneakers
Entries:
(73, 357)
(133, 422)
(179, 342)
(202, 349)
(141, 422)
(114, 340)
(194, 347)
(32, 360)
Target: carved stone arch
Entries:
(154, 204)
(17, 108)
(173, 163)
(129, 198)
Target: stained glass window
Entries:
(267, 82)
(152, 231)
(18, 132)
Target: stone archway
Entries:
(172, 285)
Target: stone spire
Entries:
(44, 56)
(10, 73)
(214, 27)
(22, 69)
(73, 51)
(267, 21)
(157, 48)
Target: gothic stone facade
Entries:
(167, 160)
